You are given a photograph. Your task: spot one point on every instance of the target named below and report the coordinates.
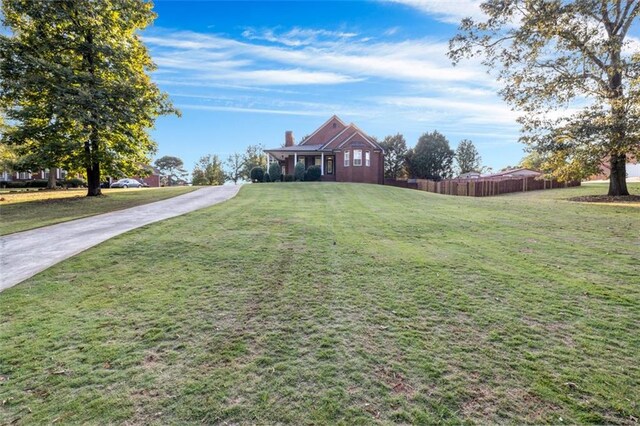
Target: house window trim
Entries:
(347, 158)
(359, 160)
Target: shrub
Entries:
(289, 178)
(36, 183)
(313, 173)
(75, 183)
(16, 184)
(266, 178)
(298, 172)
(257, 174)
(275, 172)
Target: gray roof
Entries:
(298, 148)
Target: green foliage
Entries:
(74, 85)
(569, 67)
(253, 157)
(275, 172)
(267, 177)
(468, 157)
(13, 184)
(234, 167)
(395, 153)
(313, 173)
(257, 174)
(172, 168)
(289, 178)
(75, 183)
(208, 171)
(299, 171)
(431, 158)
(36, 183)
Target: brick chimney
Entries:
(288, 138)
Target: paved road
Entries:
(24, 254)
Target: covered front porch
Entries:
(288, 157)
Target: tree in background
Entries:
(554, 54)
(275, 172)
(533, 160)
(234, 167)
(253, 157)
(73, 79)
(172, 168)
(208, 171)
(468, 157)
(431, 158)
(395, 152)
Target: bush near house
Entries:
(275, 172)
(289, 178)
(313, 174)
(299, 172)
(257, 174)
(267, 178)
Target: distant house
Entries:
(469, 175)
(632, 168)
(343, 152)
(153, 179)
(520, 172)
(27, 176)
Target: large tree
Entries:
(395, 151)
(253, 157)
(468, 157)
(208, 171)
(171, 167)
(234, 166)
(568, 67)
(74, 81)
(431, 158)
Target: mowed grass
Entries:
(338, 304)
(23, 210)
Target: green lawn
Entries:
(22, 210)
(338, 303)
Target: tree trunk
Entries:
(618, 176)
(51, 184)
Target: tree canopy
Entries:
(395, 151)
(74, 83)
(208, 171)
(431, 158)
(569, 68)
(468, 157)
(172, 167)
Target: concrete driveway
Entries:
(24, 254)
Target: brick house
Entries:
(343, 152)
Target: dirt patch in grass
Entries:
(606, 199)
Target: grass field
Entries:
(337, 303)
(22, 210)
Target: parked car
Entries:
(126, 183)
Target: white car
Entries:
(126, 183)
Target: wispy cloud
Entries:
(296, 36)
(449, 11)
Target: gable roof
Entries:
(325, 132)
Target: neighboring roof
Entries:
(516, 172)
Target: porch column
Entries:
(322, 164)
(295, 159)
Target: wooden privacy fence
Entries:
(482, 187)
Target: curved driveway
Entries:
(24, 254)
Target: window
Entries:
(317, 161)
(367, 158)
(329, 166)
(346, 158)
(357, 157)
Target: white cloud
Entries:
(296, 36)
(449, 11)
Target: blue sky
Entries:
(245, 72)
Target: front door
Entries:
(328, 165)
